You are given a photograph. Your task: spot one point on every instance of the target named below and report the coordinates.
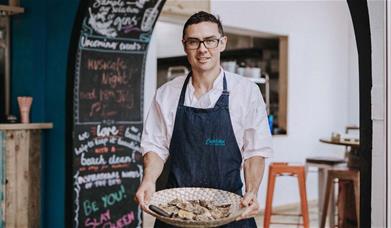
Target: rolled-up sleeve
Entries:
(154, 137)
(257, 139)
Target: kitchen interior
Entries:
(302, 55)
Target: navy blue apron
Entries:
(204, 151)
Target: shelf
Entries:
(242, 53)
(29, 126)
(10, 10)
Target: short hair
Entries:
(203, 16)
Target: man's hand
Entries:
(253, 172)
(153, 166)
(252, 207)
(144, 193)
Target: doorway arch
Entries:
(360, 18)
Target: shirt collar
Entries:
(205, 99)
(217, 84)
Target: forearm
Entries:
(253, 173)
(153, 167)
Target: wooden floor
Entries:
(149, 220)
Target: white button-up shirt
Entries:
(246, 106)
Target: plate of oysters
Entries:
(195, 207)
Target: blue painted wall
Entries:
(40, 40)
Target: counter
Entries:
(20, 167)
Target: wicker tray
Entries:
(219, 196)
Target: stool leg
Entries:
(322, 182)
(306, 169)
(303, 198)
(326, 199)
(269, 198)
(332, 206)
(356, 184)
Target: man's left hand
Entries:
(250, 202)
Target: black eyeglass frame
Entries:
(202, 42)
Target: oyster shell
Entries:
(197, 210)
(185, 215)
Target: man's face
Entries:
(202, 58)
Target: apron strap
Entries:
(225, 90)
(223, 100)
(183, 91)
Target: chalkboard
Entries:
(110, 87)
(105, 104)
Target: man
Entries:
(208, 123)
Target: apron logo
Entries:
(215, 142)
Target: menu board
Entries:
(106, 76)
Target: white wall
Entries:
(388, 111)
(353, 82)
(379, 158)
(321, 64)
(150, 74)
(170, 36)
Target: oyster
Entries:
(186, 215)
(174, 202)
(197, 210)
(187, 206)
(170, 209)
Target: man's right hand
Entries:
(153, 166)
(144, 193)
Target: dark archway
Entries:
(360, 17)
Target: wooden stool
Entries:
(280, 169)
(324, 164)
(347, 175)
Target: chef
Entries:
(210, 123)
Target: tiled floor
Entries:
(313, 214)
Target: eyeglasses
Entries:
(193, 44)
